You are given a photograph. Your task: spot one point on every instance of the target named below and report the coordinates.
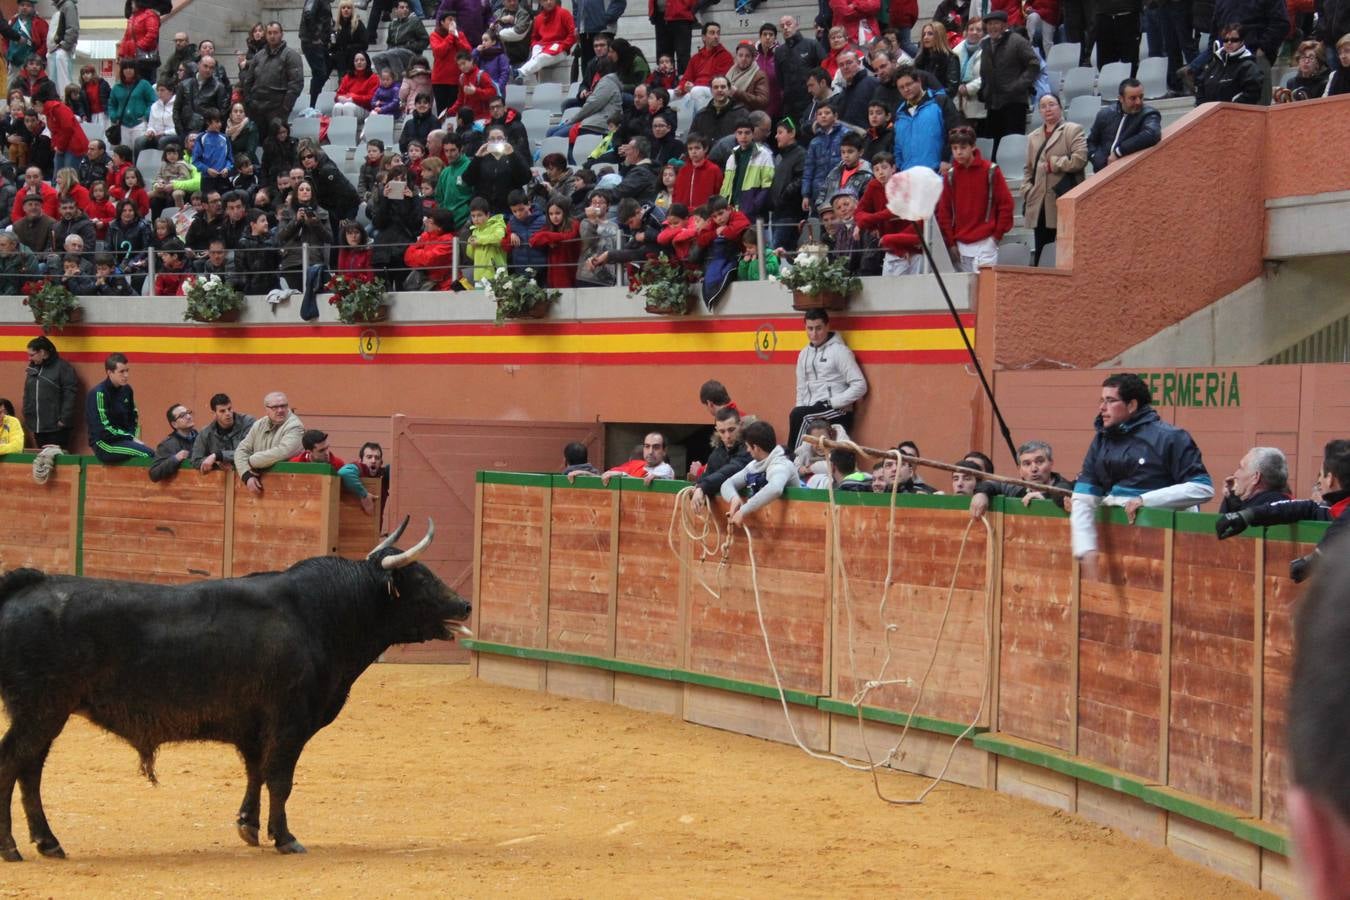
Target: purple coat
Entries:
(493, 61)
(385, 100)
(471, 17)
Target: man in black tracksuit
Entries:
(50, 389)
(1334, 507)
(110, 413)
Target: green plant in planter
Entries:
(815, 273)
(209, 298)
(665, 285)
(53, 306)
(518, 295)
(358, 298)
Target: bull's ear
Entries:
(391, 539)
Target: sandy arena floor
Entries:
(432, 783)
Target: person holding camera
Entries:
(496, 170)
(302, 221)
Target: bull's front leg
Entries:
(9, 774)
(280, 774)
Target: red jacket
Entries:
(975, 203)
(899, 236)
(563, 249)
(1014, 10)
(307, 456)
(695, 184)
(444, 49)
(904, 13)
(732, 231)
(676, 10)
(102, 214)
(484, 91)
(705, 65)
(361, 90)
(434, 254)
(51, 202)
(1049, 10)
(142, 33)
(554, 30)
(170, 284)
(680, 240)
(67, 135)
(850, 14)
(355, 262)
(137, 196)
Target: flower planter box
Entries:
(538, 311)
(830, 300)
(229, 315)
(381, 314)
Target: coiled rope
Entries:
(702, 528)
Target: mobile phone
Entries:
(395, 189)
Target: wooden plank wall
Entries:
(1038, 677)
(579, 571)
(358, 532)
(1156, 669)
(1214, 667)
(168, 532)
(514, 562)
(923, 559)
(295, 517)
(724, 638)
(42, 518)
(1121, 643)
(650, 602)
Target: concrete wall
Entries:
(1163, 234)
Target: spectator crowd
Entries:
(710, 155)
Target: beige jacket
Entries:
(1067, 152)
(266, 444)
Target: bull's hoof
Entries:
(10, 853)
(248, 834)
(51, 851)
(293, 847)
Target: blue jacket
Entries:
(921, 138)
(213, 151)
(595, 16)
(1141, 454)
(822, 155)
(110, 413)
(525, 255)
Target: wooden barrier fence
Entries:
(114, 522)
(1151, 700)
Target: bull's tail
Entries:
(148, 765)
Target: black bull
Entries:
(261, 662)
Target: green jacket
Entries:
(192, 182)
(130, 106)
(486, 250)
(451, 191)
(748, 269)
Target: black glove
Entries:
(1302, 568)
(1229, 524)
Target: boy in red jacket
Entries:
(698, 179)
(976, 209)
(476, 89)
(551, 40)
(433, 253)
(898, 237)
(680, 231)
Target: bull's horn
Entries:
(408, 557)
(389, 541)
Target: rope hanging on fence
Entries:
(698, 525)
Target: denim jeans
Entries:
(64, 159)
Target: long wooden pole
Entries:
(829, 444)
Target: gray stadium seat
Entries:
(1047, 260)
(342, 131)
(148, 162)
(1111, 77)
(569, 114)
(379, 128)
(581, 150)
(547, 95)
(302, 128)
(985, 146)
(1083, 110)
(1012, 158)
(536, 121)
(1010, 254)
(1079, 81)
(325, 104)
(516, 96)
(552, 145)
(1153, 73)
(1064, 57)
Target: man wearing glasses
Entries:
(1135, 460)
(274, 438)
(175, 448)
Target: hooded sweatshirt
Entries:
(486, 250)
(765, 478)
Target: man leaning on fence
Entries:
(272, 439)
